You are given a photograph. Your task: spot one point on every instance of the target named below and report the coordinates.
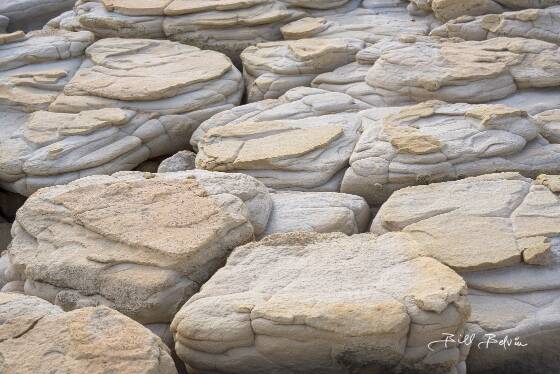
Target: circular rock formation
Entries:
(68, 112)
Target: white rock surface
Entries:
(38, 337)
(321, 212)
(416, 69)
(323, 303)
(271, 69)
(301, 141)
(67, 113)
(503, 231)
(137, 242)
(30, 15)
(435, 141)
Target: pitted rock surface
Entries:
(435, 141)
(36, 336)
(140, 243)
(305, 302)
(503, 232)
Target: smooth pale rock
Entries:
(301, 141)
(226, 26)
(140, 243)
(323, 303)
(549, 124)
(36, 336)
(418, 69)
(32, 14)
(271, 69)
(369, 25)
(67, 112)
(503, 230)
(542, 24)
(435, 141)
(322, 212)
(180, 161)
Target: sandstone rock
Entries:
(369, 25)
(419, 69)
(65, 115)
(180, 161)
(140, 243)
(36, 336)
(490, 227)
(435, 141)
(549, 125)
(32, 14)
(226, 26)
(323, 303)
(322, 212)
(271, 69)
(542, 24)
(301, 141)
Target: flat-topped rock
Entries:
(137, 242)
(30, 15)
(68, 112)
(304, 302)
(301, 141)
(36, 336)
(503, 232)
(226, 26)
(321, 212)
(271, 69)
(435, 141)
(369, 25)
(542, 24)
(418, 69)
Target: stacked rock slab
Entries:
(502, 232)
(227, 26)
(450, 9)
(321, 212)
(369, 25)
(137, 242)
(542, 24)
(435, 141)
(67, 112)
(416, 69)
(271, 69)
(324, 303)
(301, 141)
(37, 337)
(30, 15)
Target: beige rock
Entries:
(67, 113)
(301, 141)
(304, 302)
(36, 336)
(271, 69)
(226, 26)
(140, 243)
(435, 141)
(503, 231)
(549, 124)
(542, 24)
(420, 69)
